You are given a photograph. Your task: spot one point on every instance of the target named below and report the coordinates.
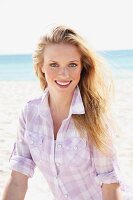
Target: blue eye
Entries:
(73, 65)
(54, 65)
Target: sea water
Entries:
(20, 67)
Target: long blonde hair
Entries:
(95, 85)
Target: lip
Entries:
(63, 84)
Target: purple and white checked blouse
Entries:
(73, 169)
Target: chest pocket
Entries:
(76, 152)
(36, 145)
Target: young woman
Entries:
(67, 132)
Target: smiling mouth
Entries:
(63, 83)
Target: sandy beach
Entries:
(14, 94)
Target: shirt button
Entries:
(59, 145)
(31, 142)
(58, 164)
(75, 147)
(66, 195)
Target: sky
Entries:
(106, 24)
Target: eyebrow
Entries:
(69, 61)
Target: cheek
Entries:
(76, 76)
(49, 74)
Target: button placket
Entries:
(58, 154)
(62, 186)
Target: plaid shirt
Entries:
(73, 169)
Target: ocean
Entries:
(20, 67)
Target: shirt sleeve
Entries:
(107, 167)
(20, 159)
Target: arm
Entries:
(107, 168)
(108, 175)
(16, 187)
(21, 164)
(111, 192)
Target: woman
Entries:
(67, 132)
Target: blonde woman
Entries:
(67, 132)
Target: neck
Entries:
(60, 104)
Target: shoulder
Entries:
(31, 106)
(34, 102)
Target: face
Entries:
(62, 67)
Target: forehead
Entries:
(60, 51)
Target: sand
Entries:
(13, 95)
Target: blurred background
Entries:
(106, 25)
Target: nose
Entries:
(64, 72)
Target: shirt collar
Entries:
(76, 107)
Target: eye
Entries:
(53, 64)
(73, 65)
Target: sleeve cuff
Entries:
(22, 165)
(108, 178)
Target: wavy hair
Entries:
(96, 85)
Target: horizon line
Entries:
(30, 53)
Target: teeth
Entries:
(63, 83)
